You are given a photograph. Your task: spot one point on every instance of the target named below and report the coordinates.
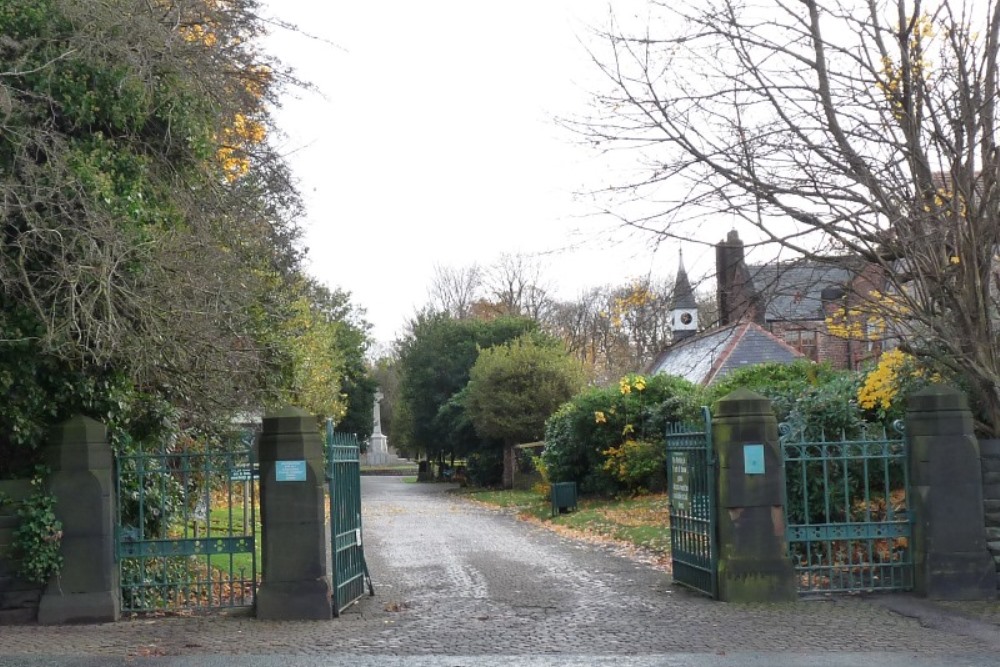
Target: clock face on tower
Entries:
(686, 318)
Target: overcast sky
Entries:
(431, 141)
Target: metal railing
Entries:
(847, 520)
(691, 489)
(186, 533)
(350, 571)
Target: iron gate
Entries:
(691, 489)
(846, 517)
(350, 572)
(187, 525)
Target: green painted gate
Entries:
(691, 489)
(350, 572)
(187, 525)
(846, 518)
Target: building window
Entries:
(805, 342)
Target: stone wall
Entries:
(18, 598)
(989, 451)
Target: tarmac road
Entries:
(458, 584)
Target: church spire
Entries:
(684, 307)
(683, 294)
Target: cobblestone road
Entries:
(455, 579)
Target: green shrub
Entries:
(579, 435)
(37, 539)
(813, 402)
(485, 468)
(638, 465)
(829, 410)
(782, 383)
(572, 449)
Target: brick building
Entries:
(797, 301)
(778, 311)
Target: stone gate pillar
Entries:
(295, 579)
(950, 555)
(82, 482)
(754, 565)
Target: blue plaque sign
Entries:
(289, 471)
(753, 459)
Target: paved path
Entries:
(461, 584)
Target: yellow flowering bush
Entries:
(896, 375)
(543, 487)
(630, 382)
(601, 438)
(636, 464)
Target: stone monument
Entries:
(378, 443)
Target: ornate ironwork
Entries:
(847, 522)
(691, 489)
(186, 534)
(350, 571)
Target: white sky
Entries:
(432, 141)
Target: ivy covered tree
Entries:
(149, 266)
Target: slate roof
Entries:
(711, 355)
(793, 290)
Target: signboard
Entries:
(680, 482)
(289, 471)
(243, 473)
(753, 459)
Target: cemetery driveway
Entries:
(461, 584)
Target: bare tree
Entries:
(617, 330)
(456, 290)
(584, 328)
(826, 128)
(641, 312)
(515, 286)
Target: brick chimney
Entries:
(738, 299)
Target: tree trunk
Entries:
(509, 461)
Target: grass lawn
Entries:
(395, 470)
(641, 522)
(220, 527)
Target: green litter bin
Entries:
(563, 497)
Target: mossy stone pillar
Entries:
(754, 565)
(82, 482)
(950, 555)
(295, 581)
